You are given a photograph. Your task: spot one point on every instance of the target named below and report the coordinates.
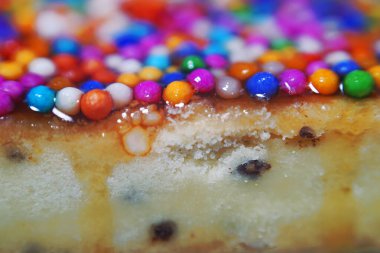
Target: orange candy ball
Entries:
(243, 70)
(91, 66)
(178, 92)
(129, 79)
(325, 81)
(58, 83)
(96, 104)
(104, 76)
(375, 73)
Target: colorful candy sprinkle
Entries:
(96, 104)
(358, 84)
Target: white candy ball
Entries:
(68, 100)
(50, 24)
(336, 57)
(130, 66)
(273, 67)
(121, 94)
(228, 87)
(113, 61)
(42, 66)
(159, 50)
(308, 44)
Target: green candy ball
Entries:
(191, 63)
(358, 84)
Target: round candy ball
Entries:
(11, 70)
(216, 61)
(129, 66)
(68, 100)
(191, 63)
(171, 77)
(41, 99)
(202, 80)
(178, 92)
(148, 91)
(150, 73)
(14, 89)
(66, 46)
(159, 61)
(375, 72)
(228, 87)
(324, 81)
(91, 85)
(358, 84)
(345, 67)
(293, 81)
(6, 104)
(96, 104)
(242, 70)
(59, 82)
(315, 65)
(273, 67)
(42, 66)
(31, 80)
(129, 79)
(121, 94)
(263, 85)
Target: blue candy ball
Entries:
(159, 61)
(171, 77)
(263, 85)
(41, 99)
(345, 67)
(91, 85)
(66, 46)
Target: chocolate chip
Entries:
(307, 133)
(253, 168)
(163, 231)
(33, 248)
(14, 153)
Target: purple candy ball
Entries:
(133, 52)
(31, 80)
(216, 61)
(91, 52)
(6, 104)
(148, 91)
(14, 89)
(2, 79)
(315, 65)
(202, 80)
(293, 81)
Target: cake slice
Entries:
(291, 175)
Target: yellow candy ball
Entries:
(150, 74)
(129, 79)
(178, 92)
(24, 56)
(11, 70)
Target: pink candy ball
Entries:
(14, 89)
(6, 104)
(202, 80)
(148, 91)
(315, 65)
(293, 81)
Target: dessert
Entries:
(194, 145)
